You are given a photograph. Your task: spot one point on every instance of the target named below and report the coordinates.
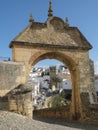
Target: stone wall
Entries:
(90, 111)
(11, 75)
(62, 112)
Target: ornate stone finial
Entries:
(31, 18)
(66, 22)
(50, 11)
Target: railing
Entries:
(5, 58)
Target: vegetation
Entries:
(56, 80)
(59, 100)
(44, 73)
(66, 96)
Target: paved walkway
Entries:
(13, 121)
(60, 124)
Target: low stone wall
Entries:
(62, 112)
(89, 111)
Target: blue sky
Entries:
(14, 17)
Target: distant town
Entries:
(49, 82)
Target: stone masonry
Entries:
(55, 39)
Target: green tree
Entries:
(42, 74)
(56, 80)
(57, 101)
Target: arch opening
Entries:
(71, 64)
(52, 82)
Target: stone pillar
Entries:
(86, 84)
(75, 104)
(87, 79)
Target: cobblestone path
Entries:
(59, 124)
(12, 121)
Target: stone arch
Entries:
(72, 63)
(55, 39)
(70, 60)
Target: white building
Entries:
(36, 92)
(66, 84)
